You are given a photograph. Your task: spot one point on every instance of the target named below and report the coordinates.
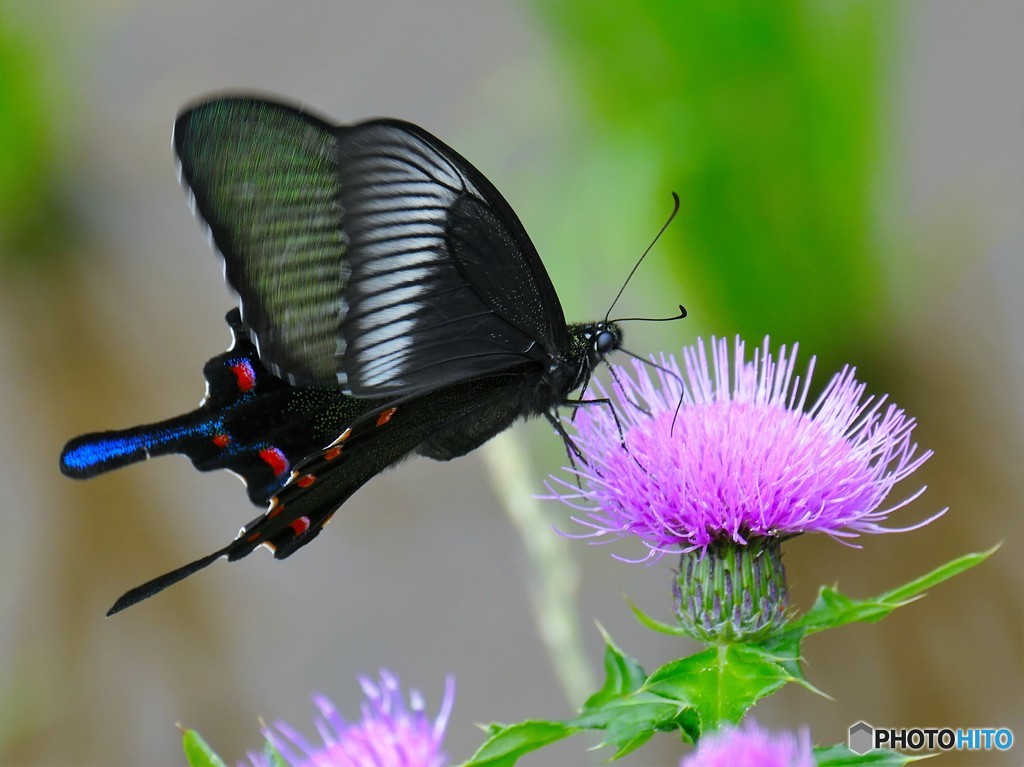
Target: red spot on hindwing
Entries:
(386, 416)
(305, 480)
(275, 459)
(221, 440)
(332, 453)
(245, 376)
(300, 525)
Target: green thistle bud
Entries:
(732, 592)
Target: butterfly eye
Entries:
(604, 342)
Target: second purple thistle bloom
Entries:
(391, 733)
(747, 456)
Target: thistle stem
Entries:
(554, 570)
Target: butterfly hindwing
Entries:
(376, 440)
(250, 423)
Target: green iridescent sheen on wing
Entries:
(265, 181)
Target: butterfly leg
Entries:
(583, 391)
(578, 403)
(615, 417)
(571, 448)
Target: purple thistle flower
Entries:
(390, 734)
(752, 746)
(743, 457)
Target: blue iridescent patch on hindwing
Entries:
(250, 423)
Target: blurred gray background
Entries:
(109, 324)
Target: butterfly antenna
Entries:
(672, 215)
(673, 318)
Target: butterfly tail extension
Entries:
(282, 534)
(155, 586)
(91, 454)
(294, 517)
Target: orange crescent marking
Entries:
(386, 416)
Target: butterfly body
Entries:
(390, 304)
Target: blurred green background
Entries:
(851, 176)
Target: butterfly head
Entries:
(591, 343)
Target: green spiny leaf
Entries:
(506, 743)
(834, 609)
(627, 720)
(917, 587)
(273, 755)
(654, 624)
(198, 752)
(623, 675)
(841, 756)
(721, 683)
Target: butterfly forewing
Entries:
(432, 260)
(410, 273)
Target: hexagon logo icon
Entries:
(860, 738)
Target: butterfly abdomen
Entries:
(500, 402)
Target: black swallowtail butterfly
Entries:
(391, 302)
